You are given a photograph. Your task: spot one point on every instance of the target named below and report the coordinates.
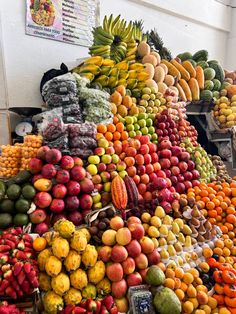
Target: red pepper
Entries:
(78, 310)
(4, 248)
(27, 267)
(17, 268)
(11, 292)
(108, 301)
(114, 310)
(8, 275)
(21, 277)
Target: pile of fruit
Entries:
(16, 197)
(225, 112)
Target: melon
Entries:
(149, 68)
(151, 83)
(159, 75)
(208, 85)
(143, 49)
(209, 73)
(165, 68)
(217, 85)
(155, 276)
(156, 54)
(162, 87)
(150, 59)
(169, 80)
(206, 95)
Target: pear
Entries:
(175, 228)
(172, 265)
(160, 212)
(171, 250)
(163, 231)
(180, 222)
(155, 242)
(180, 261)
(168, 220)
(187, 257)
(156, 221)
(181, 238)
(164, 254)
(171, 237)
(187, 230)
(188, 242)
(178, 247)
(162, 242)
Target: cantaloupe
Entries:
(162, 87)
(156, 54)
(159, 75)
(150, 59)
(149, 68)
(116, 98)
(169, 80)
(151, 83)
(165, 68)
(143, 49)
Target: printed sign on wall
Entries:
(70, 21)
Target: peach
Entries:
(114, 272)
(109, 237)
(116, 223)
(119, 253)
(137, 230)
(133, 220)
(147, 245)
(128, 266)
(202, 297)
(123, 236)
(134, 248)
(141, 261)
(105, 253)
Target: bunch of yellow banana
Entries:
(116, 39)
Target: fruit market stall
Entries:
(113, 205)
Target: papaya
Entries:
(43, 185)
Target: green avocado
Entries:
(13, 192)
(22, 205)
(20, 219)
(28, 191)
(5, 220)
(7, 206)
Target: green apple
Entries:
(115, 158)
(92, 169)
(149, 122)
(97, 205)
(151, 130)
(144, 131)
(154, 137)
(96, 198)
(106, 159)
(129, 120)
(130, 127)
(142, 123)
(138, 132)
(142, 115)
(136, 126)
(102, 142)
(152, 96)
(132, 134)
(107, 187)
(122, 174)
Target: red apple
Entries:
(165, 145)
(128, 266)
(116, 223)
(175, 170)
(105, 253)
(144, 149)
(165, 153)
(119, 288)
(147, 159)
(183, 166)
(154, 258)
(141, 261)
(119, 253)
(174, 161)
(147, 245)
(114, 272)
(123, 236)
(154, 157)
(134, 279)
(137, 230)
(134, 248)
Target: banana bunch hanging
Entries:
(116, 39)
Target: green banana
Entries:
(105, 23)
(103, 80)
(114, 24)
(100, 49)
(106, 70)
(100, 39)
(109, 24)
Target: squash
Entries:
(184, 73)
(182, 95)
(172, 70)
(186, 89)
(194, 87)
(200, 76)
(189, 67)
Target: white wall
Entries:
(184, 25)
(231, 43)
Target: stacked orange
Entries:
(30, 148)
(123, 104)
(10, 160)
(114, 133)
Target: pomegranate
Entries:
(86, 186)
(78, 173)
(35, 165)
(86, 201)
(59, 191)
(75, 217)
(41, 153)
(73, 188)
(42, 199)
(67, 162)
(53, 156)
(63, 176)
(49, 171)
(57, 205)
(71, 203)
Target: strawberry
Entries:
(21, 245)
(4, 309)
(18, 230)
(17, 268)
(83, 304)
(31, 275)
(91, 305)
(78, 310)
(21, 277)
(35, 282)
(114, 310)
(28, 255)
(4, 248)
(27, 267)
(108, 301)
(4, 259)
(11, 292)
(26, 287)
(8, 275)
(10, 243)
(104, 310)
(16, 286)
(5, 283)
(98, 308)
(5, 267)
(68, 309)
(21, 255)
(27, 238)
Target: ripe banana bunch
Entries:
(116, 39)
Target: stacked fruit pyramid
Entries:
(148, 215)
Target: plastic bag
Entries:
(60, 143)
(84, 129)
(60, 85)
(82, 142)
(82, 153)
(52, 126)
(55, 100)
(72, 114)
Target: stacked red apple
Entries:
(128, 254)
(177, 173)
(65, 192)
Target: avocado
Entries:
(2, 189)
(7, 206)
(13, 192)
(22, 205)
(28, 191)
(5, 221)
(22, 177)
(20, 219)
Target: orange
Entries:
(207, 252)
(111, 128)
(116, 135)
(101, 128)
(120, 127)
(188, 278)
(179, 273)
(39, 244)
(116, 120)
(108, 136)
(180, 294)
(210, 205)
(169, 283)
(212, 213)
(124, 135)
(184, 286)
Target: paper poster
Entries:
(70, 21)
